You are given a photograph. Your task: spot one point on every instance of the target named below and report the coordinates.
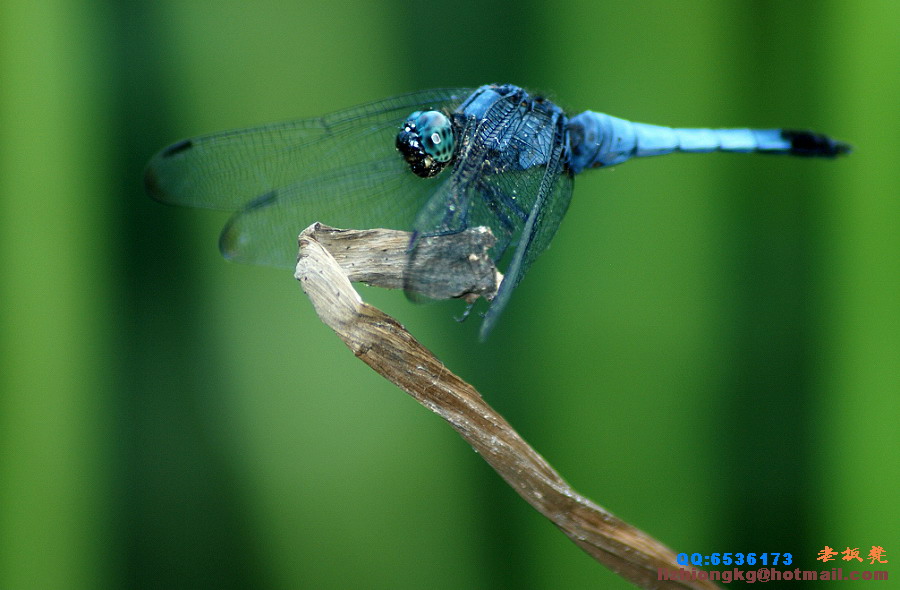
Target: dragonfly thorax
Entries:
(427, 142)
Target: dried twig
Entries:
(380, 257)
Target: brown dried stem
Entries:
(380, 257)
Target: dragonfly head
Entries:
(426, 141)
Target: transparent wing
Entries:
(341, 169)
(382, 193)
(549, 191)
(226, 170)
(493, 187)
(521, 205)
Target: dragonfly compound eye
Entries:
(426, 142)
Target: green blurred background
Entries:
(709, 349)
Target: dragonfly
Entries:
(435, 162)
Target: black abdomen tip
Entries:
(807, 143)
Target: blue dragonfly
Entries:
(434, 162)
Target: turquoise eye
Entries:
(426, 141)
(436, 132)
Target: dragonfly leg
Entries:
(466, 313)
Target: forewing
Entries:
(342, 169)
(548, 202)
(227, 170)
